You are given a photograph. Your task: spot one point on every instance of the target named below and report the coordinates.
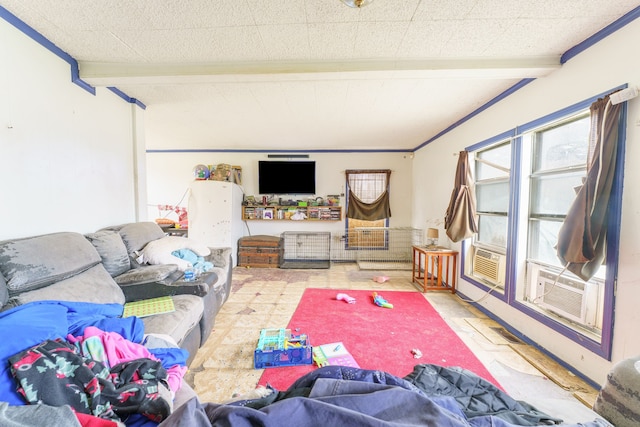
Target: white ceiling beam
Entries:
(113, 74)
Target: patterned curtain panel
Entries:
(368, 192)
(582, 236)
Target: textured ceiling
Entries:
(312, 74)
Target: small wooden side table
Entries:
(435, 268)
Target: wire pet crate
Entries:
(305, 249)
(383, 248)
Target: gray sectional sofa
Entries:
(106, 267)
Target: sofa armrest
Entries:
(219, 257)
(199, 287)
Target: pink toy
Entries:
(380, 279)
(346, 298)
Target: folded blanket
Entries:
(196, 260)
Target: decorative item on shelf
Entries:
(299, 216)
(222, 172)
(432, 238)
(333, 200)
(201, 172)
(236, 174)
(249, 201)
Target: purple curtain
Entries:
(583, 235)
(461, 219)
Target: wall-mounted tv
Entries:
(286, 177)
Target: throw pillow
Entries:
(159, 251)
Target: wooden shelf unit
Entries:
(284, 213)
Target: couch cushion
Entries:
(35, 262)
(179, 323)
(4, 292)
(112, 250)
(93, 285)
(137, 234)
(146, 274)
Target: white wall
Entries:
(169, 175)
(606, 65)
(66, 156)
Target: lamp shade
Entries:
(432, 233)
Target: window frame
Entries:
(518, 212)
(348, 244)
(505, 214)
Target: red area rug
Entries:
(378, 338)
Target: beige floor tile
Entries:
(223, 367)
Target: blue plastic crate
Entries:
(278, 347)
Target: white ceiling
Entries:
(312, 74)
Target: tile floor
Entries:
(266, 298)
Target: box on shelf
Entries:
(279, 347)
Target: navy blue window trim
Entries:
(602, 348)
(582, 105)
(511, 273)
(503, 137)
(498, 138)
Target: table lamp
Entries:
(432, 238)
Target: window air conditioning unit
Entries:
(570, 298)
(489, 266)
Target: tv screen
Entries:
(286, 177)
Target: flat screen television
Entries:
(286, 177)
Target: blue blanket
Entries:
(30, 324)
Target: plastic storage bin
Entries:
(278, 347)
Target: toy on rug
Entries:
(346, 298)
(380, 279)
(381, 302)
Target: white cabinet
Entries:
(215, 212)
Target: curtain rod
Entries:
(368, 171)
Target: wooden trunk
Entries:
(260, 251)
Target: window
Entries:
(369, 187)
(492, 170)
(558, 153)
(559, 165)
(526, 180)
